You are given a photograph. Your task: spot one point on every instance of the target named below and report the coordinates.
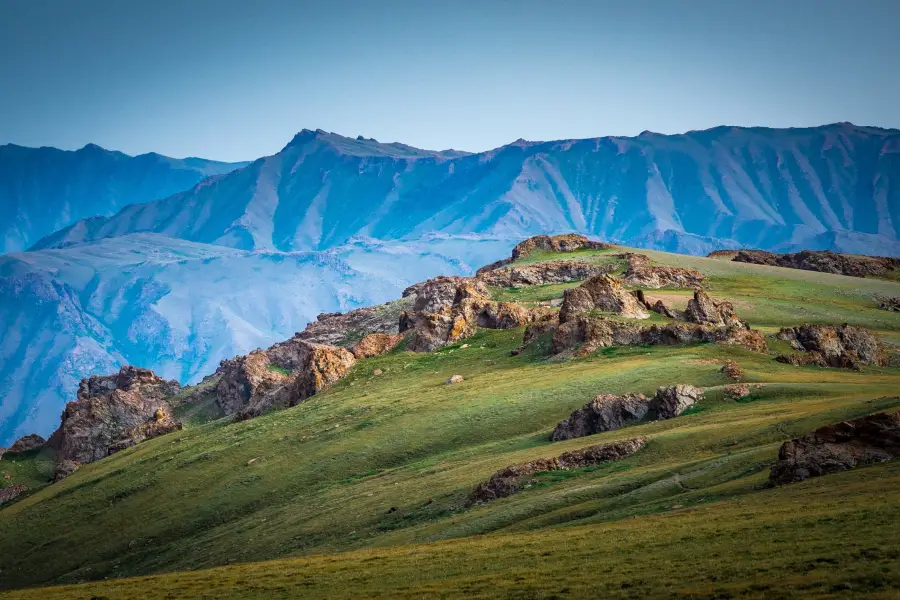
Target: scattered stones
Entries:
(670, 402)
(732, 370)
(736, 391)
(26, 443)
(702, 309)
(375, 344)
(603, 293)
(843, 346)
(824, 261)
(604, 413)
(64, 468)
(642, 272)
(455, 379)
(510, 480)
(11, 492)
(833, 448)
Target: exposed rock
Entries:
(11, 492)
(824, 261)
(843, 346)
(569, 242)
(346, 329)
(113, 412)
(732, 370)
(375, 344)
(658, 307)
(64, 468)
(455, 379)
(605, 412)
(280, 377)
(603, 293)
(866, 440)
(642, 272)
(542, 273)
(438, 295)
(702, 309)
(26, 443)
(510, 480)
(736, 391)
(889, 303)
(670, 402)
(2, 451)
(377, 372)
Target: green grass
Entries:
(319, 481)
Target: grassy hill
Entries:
(361, 489)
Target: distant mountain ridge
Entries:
(45, 189)
(832, 187)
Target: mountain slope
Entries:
(180, 307)
(836, 186)
(45, 189)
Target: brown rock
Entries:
(375, 344)
(542, 273)
(891, 304)
(26, 443)
(736, 391)
(603, 293)
(161, 424)
(605, 412)
(64, 468)
(346, 329)
(129, 379)
(641, 272)
(11, 492)
(510, 480)
(670, 402)
(843, 346)
(825, 262)
(455, 379)
(732, 370)
(557, 243)
(833, 448)
(702, 309)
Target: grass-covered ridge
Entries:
(323, 477)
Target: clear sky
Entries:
(234, 80)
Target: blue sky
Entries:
(235, 80)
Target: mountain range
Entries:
(181, 263)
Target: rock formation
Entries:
(346, 329)
(64, 468)
(604, 413)
(889, 303)
(375, 344)
(11, 492)
(736, 391)
(658, 307)
(510, 480)
(113, 412)
(825, 262)
(602, 293)
(26, 443)
(642, 272)
(569, 242)
(702, 309)
(843, 346)
(870, 439)
(455, 379)
(670, 402)
(542, 273)
(732, 370)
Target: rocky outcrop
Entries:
(605, 412)
(347, 329)
(642, 272)
(113, 412)
(64, 468)
(569, 242)
(824, 261)
(282, 376)
(26, 443)
(513, 478)
(658, 307)
(702, 309)
(543, 273)
(602, 293)
(833, 448)
(583, 335)
(375, 344)
(670, 402)
(11, 492)
(891, 303)
(737, 391)
(843, 346)
(732, 370)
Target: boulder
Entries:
(64, 468)
(642, 272)
(602, 293)
(11, 492)
(375, 344)
(512, 479)
(889, 303)
(843, 346)
(26, 443)
(702, 309)
(736, 391)
(833, 448)
(732, 370)
(670, 402)
(605, 412)
(455, 379)
(248, 377)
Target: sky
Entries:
(234, 80)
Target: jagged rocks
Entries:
(375, 344)
(732, 370)
(702, 309)
(604, 413)
(891, 304)
(737, 391)
(11, 492)
(510, 480)
(111, 413)
(642, 272)
(602, 293)
(870, 439)
(280, 377)
(26, 443)
(569, 242)
(64, 468)
(824, 261)
(543, 273)
(658, 307)
(670, 402)
(843, 346)
(346, 329)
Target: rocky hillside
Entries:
(826, 188)
(45, 189)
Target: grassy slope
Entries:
(322, 477)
